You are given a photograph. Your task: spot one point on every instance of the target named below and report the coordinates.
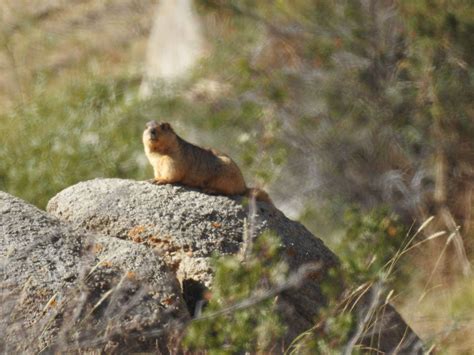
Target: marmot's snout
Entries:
(153, 133)
(151, 130)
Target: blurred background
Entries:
(357, 116)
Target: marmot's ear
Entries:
(165, 126)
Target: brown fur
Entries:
(176, 161)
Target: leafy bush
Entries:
(236, 320)
(232, 322)
(369, 247)
(369, 244)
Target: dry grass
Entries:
(441, 311)
(61, 40)
(438, 301)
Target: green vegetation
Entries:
(241, 315)
(369, 244)
(231, 326)
(53, 142)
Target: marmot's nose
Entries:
(153, 133)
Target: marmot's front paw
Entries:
(155, 182)
(158, 182)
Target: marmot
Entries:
(176, 161)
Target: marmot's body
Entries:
(176, 161)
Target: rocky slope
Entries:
(188, 227)
(68, 290)
(101, 271)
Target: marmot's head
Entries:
(159, 137)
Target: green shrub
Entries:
(229, 325)
(369, 247)
(371, 240)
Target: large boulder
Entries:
(68, 290)
(188, 227)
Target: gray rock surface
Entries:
(188, 227)
(65, 289)
(102, 273)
